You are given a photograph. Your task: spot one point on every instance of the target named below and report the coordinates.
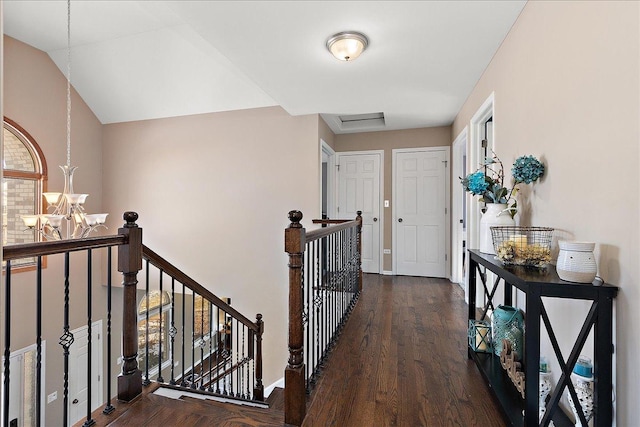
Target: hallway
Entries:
(402, 361)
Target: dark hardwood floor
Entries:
(402, 361)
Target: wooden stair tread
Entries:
(276, 399)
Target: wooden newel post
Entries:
(295, 399)
(129, 263)
(258, 389)
(359, 219)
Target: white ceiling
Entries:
(135, 60)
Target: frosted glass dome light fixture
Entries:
(347, 45)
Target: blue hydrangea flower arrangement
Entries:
(527, 169)
(490, 184)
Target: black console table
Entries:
(538, 283)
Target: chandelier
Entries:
(67, 218)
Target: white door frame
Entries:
(326, 152)
(474, 158)
(96, 401)
(447, 203)
(381, 197)
(460, 148)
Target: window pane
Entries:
(16, 155)
(30, 388)
(154, 340)
(202, 325)
(154, 301)
(19, 199)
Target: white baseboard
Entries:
(269, 389)
(387, 273)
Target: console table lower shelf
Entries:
(506, 393)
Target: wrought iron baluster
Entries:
(241, 372)
(237, 360)
(306, 315)
(210, 388)
(160, 379)
(219, 343)
(146, 381)
(202, 343)
(89, 421)
(109, 408)
(183, 359)
(172, 330)
(38, 340)
(7, 343)
(225, 353)
(66, 339)
(193, 340)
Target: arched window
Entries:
(24, 178)
(154, 321)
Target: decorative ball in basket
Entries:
(519, 245)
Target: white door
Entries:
(359, 190)
(78, 380)
(420, 212)
(23, 387)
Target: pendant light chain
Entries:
(69, 83)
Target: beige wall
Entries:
(34, 96)
(325, 133)
(387, 141)
(566, 82)
(213, 192)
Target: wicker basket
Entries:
(528, 246)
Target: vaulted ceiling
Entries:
(135, 60)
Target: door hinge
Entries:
(445, 163)
(445, 211)
(98, 378)
(338, 166)
(484, 143)
(338, 209)
(445, 257)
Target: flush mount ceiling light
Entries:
(347, 45)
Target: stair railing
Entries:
(218, 349)
(325, 280)
(230, 360)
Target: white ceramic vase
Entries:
(576, 262)
(496, 214)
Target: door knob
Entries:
(75, 401)
(399, 219)
(375, 219)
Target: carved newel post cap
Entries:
(259, 317)
(131, 218)
(359, 213)
(295, 217)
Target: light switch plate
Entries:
(386, 251)
(386, 203)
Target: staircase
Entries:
(151, 408)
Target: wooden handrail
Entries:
(329, 221)
(164, 265)
(25, 250)
(324, 232)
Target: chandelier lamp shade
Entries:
(66, 217)
(347, 45)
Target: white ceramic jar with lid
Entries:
(576, 262)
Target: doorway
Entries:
(23, 386)
(359, 183)
(327, 180)
(420, 211)
(79, 392)
(459, 210)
